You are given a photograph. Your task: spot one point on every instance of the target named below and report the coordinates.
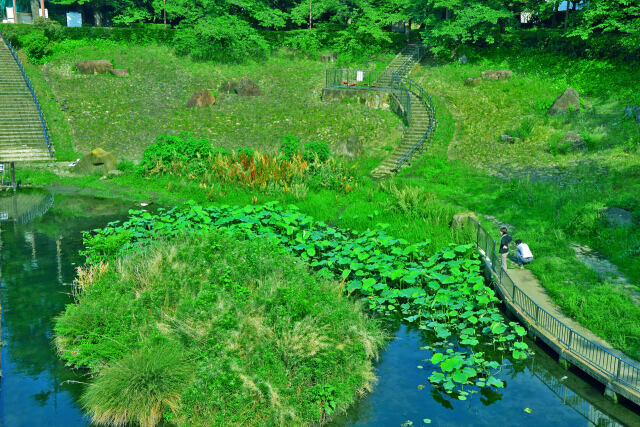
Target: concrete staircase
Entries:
(22, 137)
(419, 120)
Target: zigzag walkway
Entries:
(22, 134)
(416, 105)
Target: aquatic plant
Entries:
(443, 294)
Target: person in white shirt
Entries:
(523, 253)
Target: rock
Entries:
(573, 141)
(248, 88)
(460, 220)
(497, 74)
(245, 87)
(463, 60)
(632, 112)
(120, 72)
(473, 81)
(97, 160)
(508, 139)
(351, 147)
(115, 172)
(94, 67)
(617, 217)
(568, 101)
(201, 98)
(229, 86)
(328, 57)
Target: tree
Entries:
(451, 23)
(611, 16)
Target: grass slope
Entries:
(124, 115)
(212, 330)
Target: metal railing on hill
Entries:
(391, 81)
(615, 367)
(33, 94)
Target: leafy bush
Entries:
(289, 146)
(304, 41)
(319, 149)
(36, 46)
(170, 148)
(222, 38)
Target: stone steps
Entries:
(22, 137)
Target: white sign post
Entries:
(360, 76)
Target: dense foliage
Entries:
(213, 329)
(356, 26)
(443, 294)
(292, 170)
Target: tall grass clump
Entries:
(141, 387)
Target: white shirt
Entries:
(524, 251)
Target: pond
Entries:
(39, 243)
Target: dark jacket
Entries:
(506, 239)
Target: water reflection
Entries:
(38, 250)
(554, 395)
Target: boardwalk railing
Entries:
(391, 81)
(617, 369)
(33, 94)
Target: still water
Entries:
(39, 242)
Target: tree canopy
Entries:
(447, 24)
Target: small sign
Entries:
(360, 76)
(4, 216)
(74, 19)
(1, 167)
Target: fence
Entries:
(616, 369)
(33, 94)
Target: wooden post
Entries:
(164, 13)
(15, 13)
(310, 4)
(42, 8)
(13, 176)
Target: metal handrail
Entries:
(33, 94)
(615, 367)
(400, 86)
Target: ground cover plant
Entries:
(213, 329)
(443, 294)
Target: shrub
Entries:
(170, 148)
(289, 146)
(318, 149)
(222, 38)
(304, 41)
(36, 46)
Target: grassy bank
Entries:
(124, 115)
(210, 329)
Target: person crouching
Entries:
(523, 253)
